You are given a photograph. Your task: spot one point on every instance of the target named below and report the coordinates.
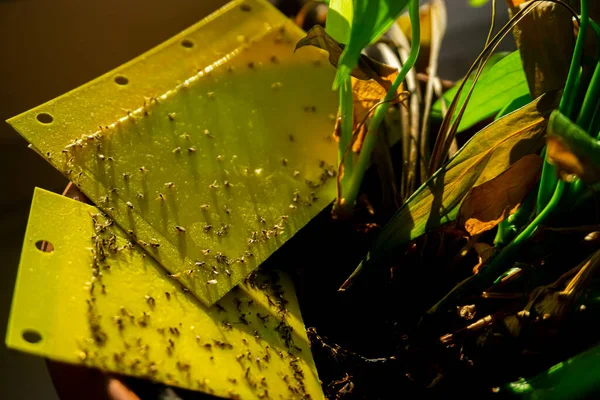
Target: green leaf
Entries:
(436, 109)
(339, 20)
(575, 378)
(371, 19)
(478, 3)
(502, 83)
(488, 154)
(572, 150)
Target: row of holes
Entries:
(46, 118)
(31, 335)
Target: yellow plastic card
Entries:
(210, 150)
(86, 295)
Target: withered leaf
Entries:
(545, 40)
(489, 203)
(489, 153)
(367, 68)
(366, 94)
(572, 150)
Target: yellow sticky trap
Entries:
(212, 149)
(123, 314)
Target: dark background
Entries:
(48, 47)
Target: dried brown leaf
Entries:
(569, 162)
(545, 40)
(489, 203)
(562, 156)
(366, 69)
(366, 95)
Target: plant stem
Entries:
(566, 102)
(596, 30)
(351, 190)
(347, 115)
(507, 253)
(590, 102)
(594, 130)
(589, 117)
(548, 179)
(504, 230)
(510, 226)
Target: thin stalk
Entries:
(504, 229)
(365, 154)
(595, 124)
(510, 226)
(548, 179)
(596, 29)
(438, 30)
(451, 121)
(590, 102)
(594, 127)
(587, 117)
(566, 102)
(347, 116)
(410, 118)
(492, 25)
(576, 189)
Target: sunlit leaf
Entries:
(572, 150)
(339, 20)
(478, 3)
(489, 203)
(498, 86)
(371, 19)
(489, 153)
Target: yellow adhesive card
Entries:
(211, 150)
(97, 300)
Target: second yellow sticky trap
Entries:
(95, 299)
